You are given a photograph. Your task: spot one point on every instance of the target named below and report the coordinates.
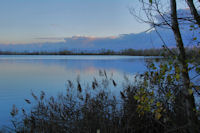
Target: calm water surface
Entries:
(19, 75)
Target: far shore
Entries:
(125, 52)
(191, 52)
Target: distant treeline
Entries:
(132, 52)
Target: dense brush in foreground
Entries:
(83, 110)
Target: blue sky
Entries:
(34, 21)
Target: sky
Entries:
(38, 21)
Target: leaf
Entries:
(150, 1)
(114, 83)
(158, 104)
(169, 94)
(177, 69)
(198, 87)
(169, 78)
(136, 97)
(122, 95)
(184, 70)
(79, 87)
(177, 76)
(14, 111)
(194, 38)
(197, 69)
(190, 91)
(157, 116)
(191, 84)
(170, 62)
(28, 101)
(151, 101)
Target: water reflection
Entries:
(21, 74)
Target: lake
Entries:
(21, 74)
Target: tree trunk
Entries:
(193, 11)
(186, 99)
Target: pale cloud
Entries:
(51, 38)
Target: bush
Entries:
(146, 104)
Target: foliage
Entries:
(148, 103)
(87, 109)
